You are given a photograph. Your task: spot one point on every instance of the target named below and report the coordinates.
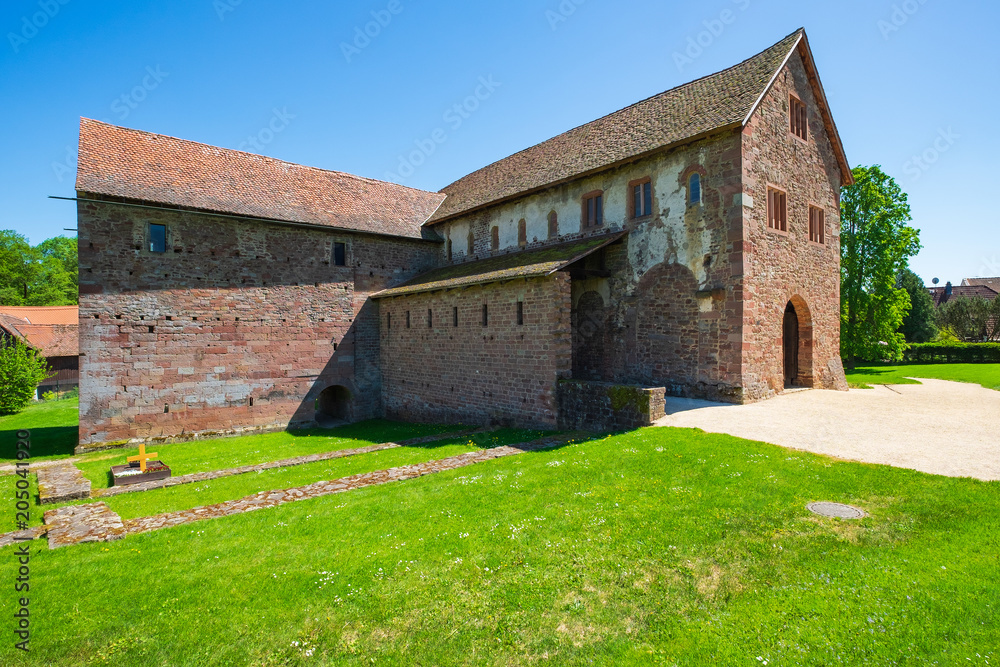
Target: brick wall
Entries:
(501, 373)
(782, 267)
(180, 343)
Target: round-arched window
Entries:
(694, 189)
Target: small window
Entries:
(520, 313)
(522, 233)
(454, 316)
(388, 322)
(777, 210)
(486, 315)
(430, 318)
(553, 225)
(157, 238)
(407, 319)
(593, 210)
(641, 204)
(817, 224)
(694, 189)
(448, 247)
(799, 118)
(339, 254)
(472, 243)
(495, 239)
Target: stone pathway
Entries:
(60, 483)
(266, 499)
(8, 539)
(73, 524)
(196, 477)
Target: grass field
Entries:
(987, 375)
(661, 546)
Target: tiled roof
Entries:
(961, 291)
(721, 100)
(51, 339)
(528, 264)
(992, 283)
(44, 314)
(135, 165)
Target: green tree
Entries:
(919, 325)
(18, 268)
(875, 246)
(46, 275)
(972, 319)
(21, 370)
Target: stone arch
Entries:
(589, 328)
(805, 348)
(666, 334)
(334, 405)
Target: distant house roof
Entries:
(992, 283)
(135, 165)
(722, 100)
(941, 296)
(44, 314)
(52, 331)
(529, 264)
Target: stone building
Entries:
(685, 245)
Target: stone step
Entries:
(61, 483)
(73, 524)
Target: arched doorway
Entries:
(790, 339)
(797, 343)
(588, 337)
(333, 406)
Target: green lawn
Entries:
(53, 426)
(662, 546)
(987, 375)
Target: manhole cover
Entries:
(836, 509)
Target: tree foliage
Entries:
(44, 275)
(21, 370)
(972, 319)
(875, 244)
(920, 324)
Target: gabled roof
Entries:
(141, 166)
(44, 314)
(528, 264)
(723, 100)
(941, 296)
(992, 283)
(52, 331)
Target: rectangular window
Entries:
(407, 319)
(799, 118)
(339, 254)
(593, 210)
(157, 238)
(777, 210)
(642, 199)
(454, 316)
(520, 313)
(817, 224)
(486, 315)
(430, 318)
(388, 322)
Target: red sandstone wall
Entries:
(500, 373)
(180, 342)
(781, 267)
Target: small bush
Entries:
(49, 396)
(21, 369)
(953, 353)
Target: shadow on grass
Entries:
(45, 441)
(376, 431)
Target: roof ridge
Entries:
(630, 106)
(254, 155)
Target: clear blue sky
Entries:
(217, 72)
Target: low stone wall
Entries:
(602, 406)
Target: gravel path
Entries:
(938, 427)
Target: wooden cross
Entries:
(142, 457)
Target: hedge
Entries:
(953, 353)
